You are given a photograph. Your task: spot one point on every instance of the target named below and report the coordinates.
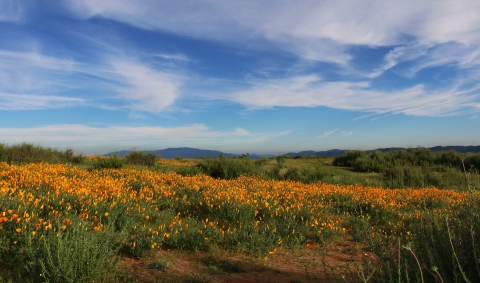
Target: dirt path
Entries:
(308, 264)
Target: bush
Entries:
(261, 161)
(141, 158)
(362, 164)
(227, 168)
(30, 153)
(75, 255)
(280, 160)
(348, 158)
(404, 176)
(472, 161)
(112, 162)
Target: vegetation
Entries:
(141, 158)
(394, 169)
(29, 153)
(61, 222)
(414, 167)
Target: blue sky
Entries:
(259, 76)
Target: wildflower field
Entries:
(62, 223)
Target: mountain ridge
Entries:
(188, 152)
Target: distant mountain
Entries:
(187, 152)
(462, 149)
(331, 152)
(340, 152)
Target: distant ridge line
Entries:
(340, 152)
(188, 152)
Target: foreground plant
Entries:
(53, 215)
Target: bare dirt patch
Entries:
(308, 264)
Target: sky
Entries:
(252, 76)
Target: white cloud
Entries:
(10, 10)
(450, 54)
(35, 60)
(399, 55)
(32, 71)
(121, 137)
(35, 75)
(318, 30)
(312, 91)
(327, 133)
(428, 35)
(10, 101)
(178, 57)
(117, 134)
(146, 89)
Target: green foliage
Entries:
(29, 153)
(280, 160)
(216, 265)
(158, 264)
(261, 161)
(413, 167)
(360, 228)
(376, 161)
(187, 170)
(348, 158)
(182, 219)
(140, 158)
(112, 162)
(74, 255)
(227, 168)
(446, 249)
(405, 176)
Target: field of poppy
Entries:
(62, 223)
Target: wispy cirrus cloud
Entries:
(10, 101)
(309, 28)
(30, 70)
(451, 54)
(31, 80)
(327, 133)
(78, 132)
(177, 57)
(144, 88)
(10, 10)
(312, 91)
(33, 77)
(420, 35)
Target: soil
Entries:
(308, 264)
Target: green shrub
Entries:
(404, 176)
(112, 162)
(158, 264)
(348, 158)
(75, 255)
(30, 153)
(140, 158)
(226, 168)
(261, 161)
(187, 170)
(280, 160)
(362, 164)
(472, 162)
